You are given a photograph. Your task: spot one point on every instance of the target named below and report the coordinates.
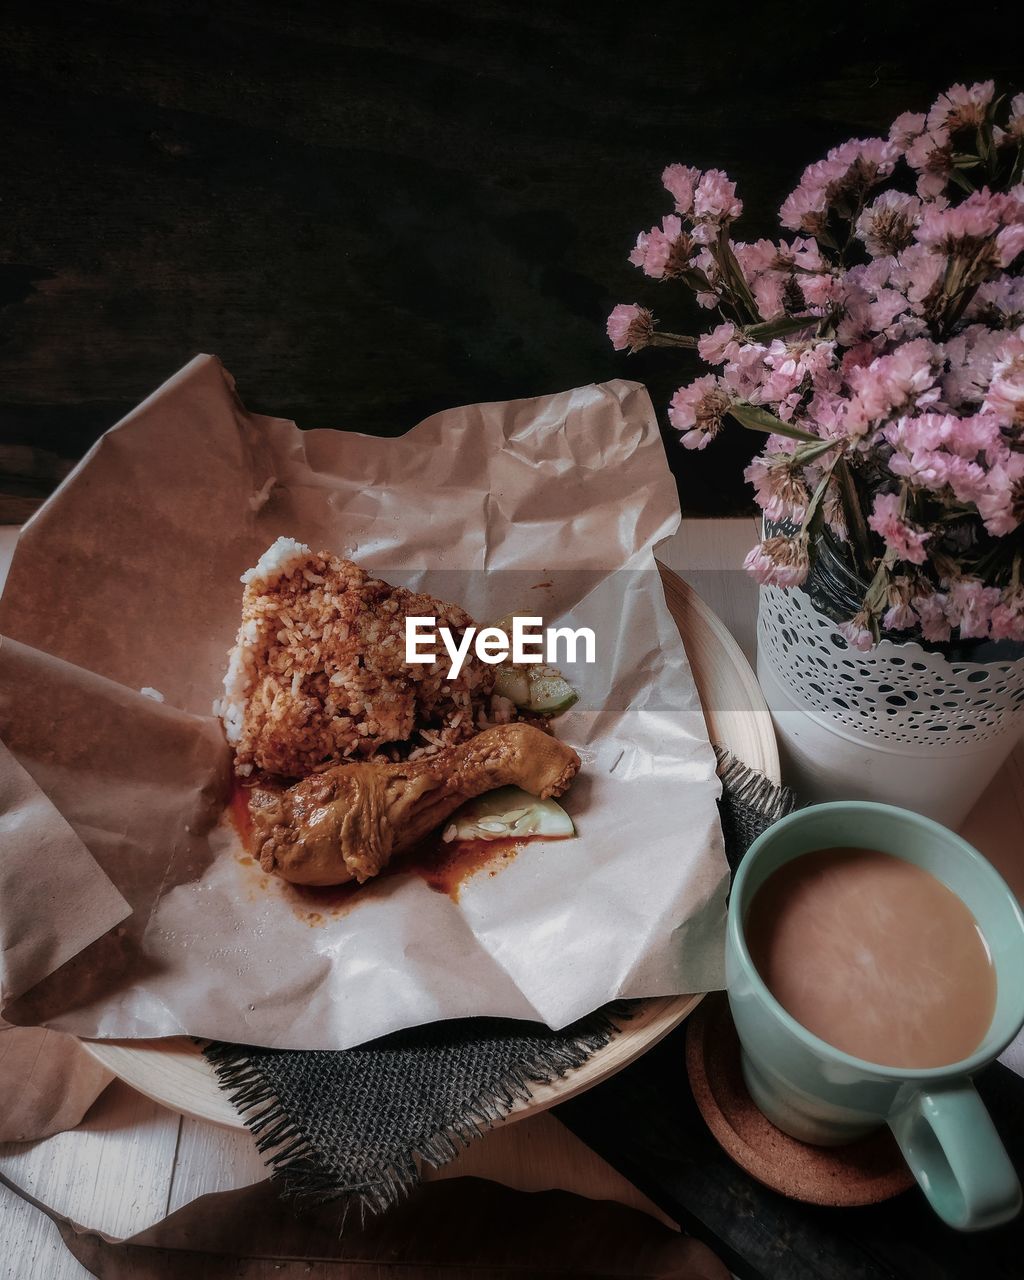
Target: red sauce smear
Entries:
(238, 805)
(443, 867)
(446, 867)
(538, 585)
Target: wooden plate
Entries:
(174, 1071)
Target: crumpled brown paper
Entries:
(47, 1082)
(462, 1227)
(132, 913)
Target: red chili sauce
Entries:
(442, 866)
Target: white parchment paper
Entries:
(132, 910)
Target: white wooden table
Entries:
(131, 1161)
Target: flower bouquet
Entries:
(879, 346)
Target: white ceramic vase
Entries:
(897, 724)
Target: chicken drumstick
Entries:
(348, 822)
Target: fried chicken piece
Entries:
(348, 822)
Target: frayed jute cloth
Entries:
(353, 1125)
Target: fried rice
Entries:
(318, 672)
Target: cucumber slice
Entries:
(541, 690)
(550, 693)
(509, 812)
(512, 683)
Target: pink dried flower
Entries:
(931, 155)
(899, 617)
(705, 263)
(784, 372)
(1005, 396)
(971, 357)
(918, 273)
(887, 224)
(638, 254)
(856, 632)
(1009, 243)
(829, 413)
(848, 170)
(870, 311)
(822, 290)
(873, 276)
(961, 107)
(885, 308)
(771, 272)
(1001, 503)
(1015, 127)
(769, 290)
(788, 365)
(906, 128)
(937, 470)
(630, 326)
(967, 436)
(931, 610)
(663, 252)
(762, 255)
(715, 198)
(986, 230)
(854, 316)
(924, 468)
(959, 227)
(1007, 618)
(899, 536)
(911, 361)
(804, 209)
(778, 490)
(966, 479)
(801, 253)
(745, 372)
(697, 411)
(860, 356)
(999, 301)
(779, 561)
(680, 181)
(719, 345)
(868, 159)
(971, 604)
(905, 377)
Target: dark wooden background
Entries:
(373, 211)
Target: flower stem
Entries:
(778, 328)
(661, 339)
(854, 515)
(817, 496)
(735, 280)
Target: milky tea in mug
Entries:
(875, 956)
(873, 963)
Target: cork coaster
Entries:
(864, 1172)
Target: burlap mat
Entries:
(353, 1125)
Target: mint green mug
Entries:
(819, 1094)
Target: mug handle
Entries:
(954, 1152)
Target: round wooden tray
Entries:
(174, 1071)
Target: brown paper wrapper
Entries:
(462, 1227)
(127, 909)
(47, 1082)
